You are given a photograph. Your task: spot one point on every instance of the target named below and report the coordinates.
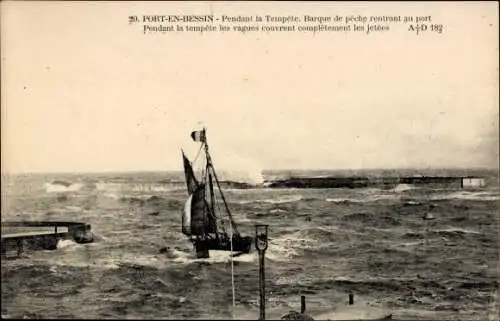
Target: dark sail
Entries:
(201, 222)
(191, 181)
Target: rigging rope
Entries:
(231, 244)
(221, 220)
(198, 154)
(232, 266)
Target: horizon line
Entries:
(489, 168)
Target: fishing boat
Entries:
(202, 218)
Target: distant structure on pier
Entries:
(383, 182)
(473, 182)
(443, 181)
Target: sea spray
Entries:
(59, 187)
(467, 195)
(237, 168)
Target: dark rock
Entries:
(62, 197)
(62, 183)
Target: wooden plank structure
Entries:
(41, 235)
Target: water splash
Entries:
(60, 188)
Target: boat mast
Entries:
(211, 206)
(210, 165)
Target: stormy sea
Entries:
(323, 243)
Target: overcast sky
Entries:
(82, 90)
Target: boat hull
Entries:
(241, 244)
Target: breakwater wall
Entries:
(379, 182)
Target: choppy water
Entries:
(324, 244)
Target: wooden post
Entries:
(20, 247)
(4, 249)
(426, 235)
(302, 303)
(261, 246)
(262, 284)
(351, 299)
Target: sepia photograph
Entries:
(291, 160)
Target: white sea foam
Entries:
(279, 200)
(342, 200)
(155, 188)
(469, 195)
(74, 208)
(243, 176)
(248, 191)
(59, 188)
(460, 230)
(411, 244)
(66, 244)
(112, 188)
(242, 218)
(215, 257)
(285, 247)
(281, 249)
(284, 199)
(154, 261)
(113, 196)
(66, 210)
(363, 198)
(402, 188)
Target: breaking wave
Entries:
(281, 249)
(343, 200)
(243, 177)
(215, 257)
(62, 186)
(278, 200)
(402, 188)
(136, 187)
(66, 244)
(470, 196)
(362, 199)
(290, 245)
(66, 210)
(240, 169)
(157, 187)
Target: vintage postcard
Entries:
(250, 160)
